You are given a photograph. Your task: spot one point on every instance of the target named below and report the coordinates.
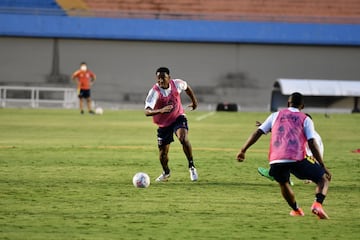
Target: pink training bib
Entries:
(288, 140)
(166, 119)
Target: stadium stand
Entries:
(242, 29)
(42, 7)
(75, 7)
(321, 11)
(324, 11)
(233, 21)
(47, 4)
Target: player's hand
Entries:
(328, 174)
(240, 156)
(193, 106)
(257, 123)
(167, 109)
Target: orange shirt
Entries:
(84, 78)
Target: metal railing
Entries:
(35, 96)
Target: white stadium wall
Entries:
(219, 72)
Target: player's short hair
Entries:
(296, 99)
(83, 63)
(162, 70)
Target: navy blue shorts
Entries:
(305, 169)
(84, 93)
(165, 135)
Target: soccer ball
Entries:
(99, 111)
(141, 180)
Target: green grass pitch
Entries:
(69, 176)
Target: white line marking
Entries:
(217, 149)
(202, 117)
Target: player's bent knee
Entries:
(183, 140)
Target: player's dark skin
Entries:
(286, 190)
(163, 81)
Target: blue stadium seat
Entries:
(45, 4)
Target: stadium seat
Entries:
(46, 4)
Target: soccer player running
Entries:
(163, 103)
(290, 131)
(85, 78)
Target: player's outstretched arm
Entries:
(316, 154)
(251, 140)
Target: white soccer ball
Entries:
(141, 180)
(99, 111)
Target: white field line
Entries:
(217, 149)
(202, 117)
(194, 148)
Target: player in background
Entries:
(163, 103)
(290, 131)
(265, 172)
(85, 78)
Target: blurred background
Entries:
(229, 51)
